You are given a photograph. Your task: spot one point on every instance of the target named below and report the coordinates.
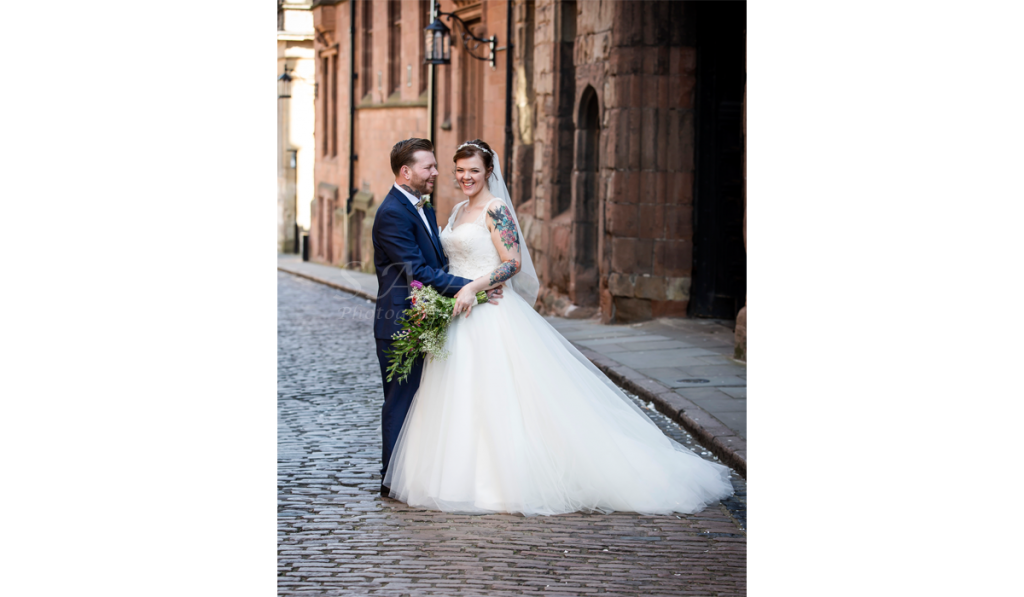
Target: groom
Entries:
(406, 247)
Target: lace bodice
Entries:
(469, 247)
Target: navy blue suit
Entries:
(403, 251)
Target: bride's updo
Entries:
(476, 147)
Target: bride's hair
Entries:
(478, 148)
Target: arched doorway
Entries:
(583, 284)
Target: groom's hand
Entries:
(493, 295)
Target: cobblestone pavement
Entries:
(337, 536)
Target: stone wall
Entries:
(635, 59)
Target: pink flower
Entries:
(416, 284)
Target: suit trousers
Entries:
(397, 399)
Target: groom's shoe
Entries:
(385, 491)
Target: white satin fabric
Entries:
(517, 420)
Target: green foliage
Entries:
(424, 330)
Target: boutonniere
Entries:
(426, 202)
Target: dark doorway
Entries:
(719, 259)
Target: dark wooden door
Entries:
(719, 270)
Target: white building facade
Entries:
(295, 122)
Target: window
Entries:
(324, 69)
(394, 46)
(333, 64)
(424, 21)
(367, 74)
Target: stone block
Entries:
(543, 83)
(669, 308)
(622, 61)
(650, 287)
(624, 90)
(650, 23)
(644, 96)
(687, 61)
(606, 307)
(643, 257)
(652, 219)
(673, 158)
(648, 139)
(687, 140)
(684, 94)
(624, 254)
(678, 258)
(621, 284)
(602, 46)
(740, 352)
(661, 140)
(678, 222)
(658, 263)
(622, 219)
(586, 20)
(623, 140)
(540, 149)
(637, 90)
(661, 187)
(648, 186)
(680, 188)
(611, 99)
(677, 289)
(635, 122)
(543, 56)
(629, 310)
(662, 92)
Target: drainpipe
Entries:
(352, 157)
(430, 84)
(508, 99)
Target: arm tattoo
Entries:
(504, 271)
(506, 227)
(412, 191)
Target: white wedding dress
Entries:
(517, 420)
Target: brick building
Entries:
(626, 129)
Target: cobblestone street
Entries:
(337, 536)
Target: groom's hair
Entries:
(402, 154)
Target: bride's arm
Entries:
(505, 237)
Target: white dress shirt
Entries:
(419, 209)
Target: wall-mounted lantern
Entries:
(438, 41)
(284, 84)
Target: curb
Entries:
(355, 291)
(704, 428)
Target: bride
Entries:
(516, 419)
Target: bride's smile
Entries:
(470, 174)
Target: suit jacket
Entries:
(404, 251)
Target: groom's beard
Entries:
(417, 188)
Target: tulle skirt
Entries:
(517, 420)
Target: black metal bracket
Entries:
(467, 36)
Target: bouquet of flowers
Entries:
(424, 329)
